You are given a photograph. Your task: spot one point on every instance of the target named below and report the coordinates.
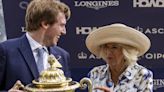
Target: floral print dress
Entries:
(135, 78)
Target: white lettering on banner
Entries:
(23, 5)
(23, 29)
(96, 4)
(151, 30)
(93, 57)
(87, 30)
(148, 3)
(154, 56)
(83, 55)
(158, 83)
(154, 31)
(84, 30)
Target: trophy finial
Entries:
(54, 63)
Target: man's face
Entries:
(55, 30)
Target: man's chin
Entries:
(55, 43)
(52, 44)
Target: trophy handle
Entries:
(86, 82)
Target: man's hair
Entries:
(44, 10)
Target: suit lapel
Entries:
(57, 55)
(52, 51)
(26, 51)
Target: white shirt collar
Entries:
(34, 44)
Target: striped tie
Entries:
(39, 63)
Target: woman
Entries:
(119, 46)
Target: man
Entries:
(45, 23)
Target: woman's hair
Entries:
(44, 10)
(130, 53)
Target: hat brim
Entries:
(117, 33)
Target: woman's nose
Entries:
(109, 51)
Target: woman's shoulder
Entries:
(99, 68)
(143, 70)
(98, 71)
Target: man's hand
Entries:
(18, 87)
(104, 88)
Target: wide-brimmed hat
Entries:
(117, 33)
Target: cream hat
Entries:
(117, 33)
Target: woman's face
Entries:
(113, 53)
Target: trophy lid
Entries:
(53, 76)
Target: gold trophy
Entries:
(53, 80)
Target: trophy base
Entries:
(70, 88)
(51, 84)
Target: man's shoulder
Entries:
(10, 42)
(13, 41)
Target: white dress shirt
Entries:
(34, 46)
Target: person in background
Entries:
(45, 23)
(119, 46)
